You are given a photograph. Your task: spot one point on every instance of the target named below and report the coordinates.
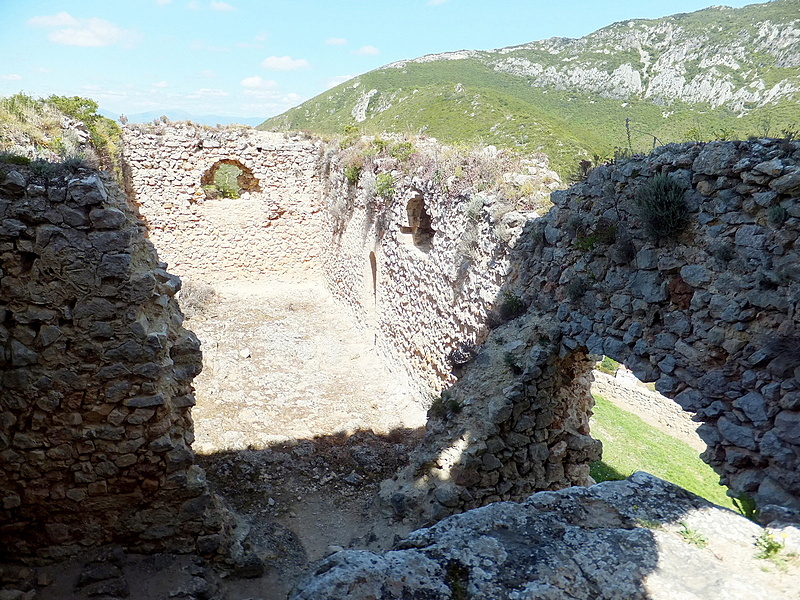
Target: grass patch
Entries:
(630, 444)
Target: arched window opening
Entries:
(644, 430)
(228, 178)
(419, 223)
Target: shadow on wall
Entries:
(95, 430)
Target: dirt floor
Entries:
(282, 362)
(297, 422)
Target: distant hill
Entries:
(715, 73)
(182, 115)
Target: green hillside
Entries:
(716, 73)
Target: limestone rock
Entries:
(618, 540)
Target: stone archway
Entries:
(708, 313)
(246, 179)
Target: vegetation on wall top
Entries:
(58, 129)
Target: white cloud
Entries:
(259, 83)
(42, 70)
(207, 92)
(89, 33)
(334, 81)
(215, 5)
(208, 74)
(11, 77)
(160, 84)
(334, 41)
(163, 1)
(62, 19)
(284, 63)
(436, 2)
(368, 51)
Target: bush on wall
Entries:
(662, 207)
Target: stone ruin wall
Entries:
(427, 299)
(711, 318)
(96, 372)
(275, 228)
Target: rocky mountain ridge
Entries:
(688, 57)
(720, 55)
(715, 73)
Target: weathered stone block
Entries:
(145, 401)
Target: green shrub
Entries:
(351, 173)
(576, 288)
(43, 168)
(512, 363)
(512, 306)
(402, 151)
(443, 406)
(724, 252)
(662, 207)
(384, 185)
(14, 159)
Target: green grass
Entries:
(630, 444)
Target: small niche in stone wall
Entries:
(419, 223)
(228, 178)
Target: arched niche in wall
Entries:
(373, 267)
(228, 178)
(419, 223)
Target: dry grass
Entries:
(196, 298)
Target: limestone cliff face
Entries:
(712, 56)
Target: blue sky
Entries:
(259, 57)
